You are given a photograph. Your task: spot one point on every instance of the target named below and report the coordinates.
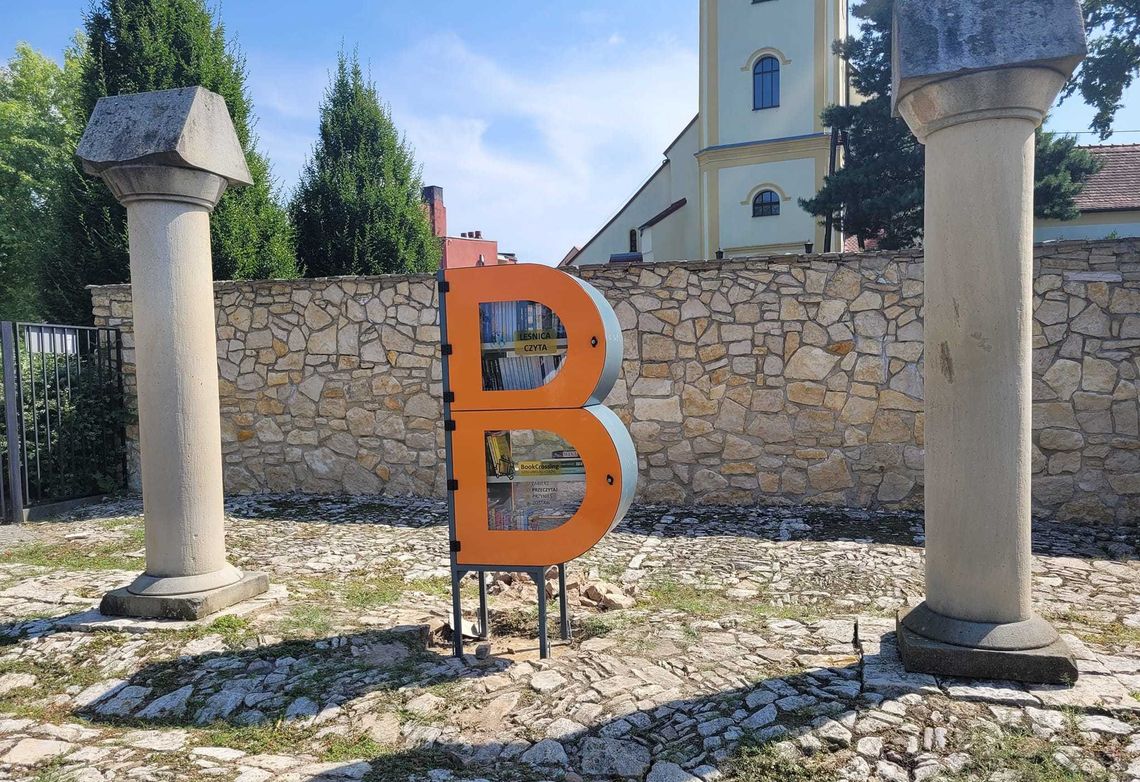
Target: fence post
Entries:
(12, 422)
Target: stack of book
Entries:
(523, 345)
(531, 494)
(499, 463)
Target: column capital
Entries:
(131, 184)
(957, 61)
(1006, 93)
(176, 145)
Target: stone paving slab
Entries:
(91, 621)
(760, 645)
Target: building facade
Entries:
(467, 249)
(731, 180)
(1109, 202)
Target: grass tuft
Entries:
(761, 763)
(306, 621)
(272, 738)
(1018, 755)
(373, 593)
(74, 555)
(360, 746)
(712, 604)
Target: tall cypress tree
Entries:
(358, 207)
(879, 191)
(140, 45)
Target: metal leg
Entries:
(540, 581)
(484, 624)
(563, 613)
(456, 614)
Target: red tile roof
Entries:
(1117, 185)
(851, 245)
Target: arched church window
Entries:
(766, 83)
(633, 240)
(766, 204)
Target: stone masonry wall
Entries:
(783, 379)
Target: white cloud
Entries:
(595, 122)
(537, 156)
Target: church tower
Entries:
(767, 72)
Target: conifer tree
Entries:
(358, 208)
(140, 45)
(879, 191)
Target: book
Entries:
(499, 461)
(521, 345)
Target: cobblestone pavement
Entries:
(742, 644)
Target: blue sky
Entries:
(538, 119)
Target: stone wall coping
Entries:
(1110, 247)
(297, 282)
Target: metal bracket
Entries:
(456, 546)
(449, 425)
(445, 349)
(537, 574)
(444, 286)
(449, 397)
(453, 485)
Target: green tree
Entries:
(37, 130)
(358, 209)
(879, 191)
(140, 45)
(1113, 61)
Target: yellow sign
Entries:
(536, 343)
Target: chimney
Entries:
(436, 211)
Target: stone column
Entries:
(168, 157)
(973, 79)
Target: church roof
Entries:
(1117, 185)
(673, 207)
(569, 259)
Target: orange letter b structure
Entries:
(529, 353)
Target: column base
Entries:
(186, 607)
(1029, 651)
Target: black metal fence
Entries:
(64, 428)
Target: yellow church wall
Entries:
(731, 134)
(1119, 224)
(726, 224)
(739, 230)
(786, 29)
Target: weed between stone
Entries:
(1018, 755)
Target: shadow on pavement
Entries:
(267, 699)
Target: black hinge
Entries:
(445, 349)
(456, 546)
(444, 286)
(453, 485)
(449, 396)
(449, 425)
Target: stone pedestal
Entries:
(976, 112)
(168, 157)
